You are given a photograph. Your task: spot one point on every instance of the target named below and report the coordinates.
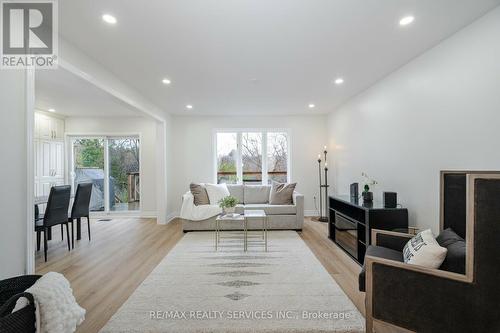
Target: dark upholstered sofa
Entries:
(389, 245)
(463, 295)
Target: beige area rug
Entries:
(195, 289)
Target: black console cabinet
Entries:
(351, 223)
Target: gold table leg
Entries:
(245, 241)
(216, 234)
(265, 232)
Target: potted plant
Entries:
(228, 204)
(367, 194)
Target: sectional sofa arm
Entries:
(390, 239)
(297, 198)
(298, 201)
(413, 297)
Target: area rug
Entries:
(196, 289)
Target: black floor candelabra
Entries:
(323, 186)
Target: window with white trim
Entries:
(252, 156)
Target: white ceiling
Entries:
(259, 57)
(72, 96)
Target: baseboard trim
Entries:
(310, 213)
(172, 216)
(144, 214)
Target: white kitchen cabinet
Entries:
(57, 159)
(50, 159)
(44, 159)
(43, 126)
(47, 127)
(49, 154)
(57, 127)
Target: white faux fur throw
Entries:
(57, 309)
(197, 213)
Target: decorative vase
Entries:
(367, 196)
(229, 210)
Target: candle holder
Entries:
(323, 218)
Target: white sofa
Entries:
(279, 217)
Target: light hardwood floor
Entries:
(105, 272)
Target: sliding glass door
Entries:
(88, 167)
(112, 165)
(124, 179)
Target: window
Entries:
(277, 157)
(252, 157)
(227, 155)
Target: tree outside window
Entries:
(252, 157)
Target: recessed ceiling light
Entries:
(109, 19)
(51, 110)
(311, 106)
(166, 81)
(189, 106)
(339, 81)
(406, 20)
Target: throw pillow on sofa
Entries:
(200, 194)
(424, 250)
(457, 251)
(256, 194)
(216, 192)
(281, 193)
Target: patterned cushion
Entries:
(424, 250)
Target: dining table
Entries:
(43, 199)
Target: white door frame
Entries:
(30, 170)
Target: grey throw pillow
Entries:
(200, 194)
(281, 193)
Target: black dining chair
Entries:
(55, 213)
(80, 208)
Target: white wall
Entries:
(13, 192)
(171, 159)
(128, 125)
(441, 111)
(193, 152)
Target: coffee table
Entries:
(232, 219)
(247, 215)
(257, 214)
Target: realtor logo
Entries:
(29, 34)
